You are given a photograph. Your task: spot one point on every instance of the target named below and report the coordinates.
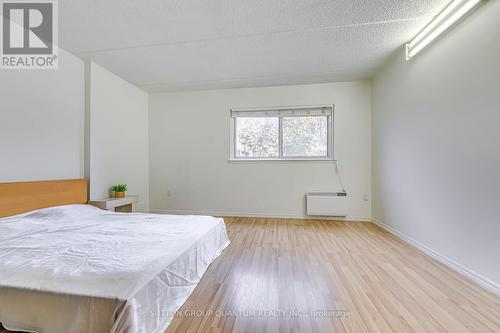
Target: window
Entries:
(292, 133)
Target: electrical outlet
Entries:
(169, 194)
(365, 196)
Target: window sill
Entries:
(281, 160)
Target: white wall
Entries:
(118, 141)
(189, 149)
(436, 144)
(41, 122)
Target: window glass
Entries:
(305, 136)
(257, 137)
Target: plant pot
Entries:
(119, 194)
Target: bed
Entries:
(76, 268)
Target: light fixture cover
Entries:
(449, 16)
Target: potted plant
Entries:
(119, 190)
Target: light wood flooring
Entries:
(302, 276)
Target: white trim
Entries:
(282, 159)
(471, 275)
(263, 215)
(303, 110)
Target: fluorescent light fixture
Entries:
(450, 15)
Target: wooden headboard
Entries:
(17, 198)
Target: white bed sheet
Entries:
(98, 271)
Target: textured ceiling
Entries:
(171, 45)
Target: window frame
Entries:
(330, 133)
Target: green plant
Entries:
(119, 187)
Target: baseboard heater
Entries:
(326, 203)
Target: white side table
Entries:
(122, 205)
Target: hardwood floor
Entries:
(327, 276)
(359, 277)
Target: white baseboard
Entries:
(475, 277)
(263, 215)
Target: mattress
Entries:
(77, 268)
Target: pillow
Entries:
(66, 211)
